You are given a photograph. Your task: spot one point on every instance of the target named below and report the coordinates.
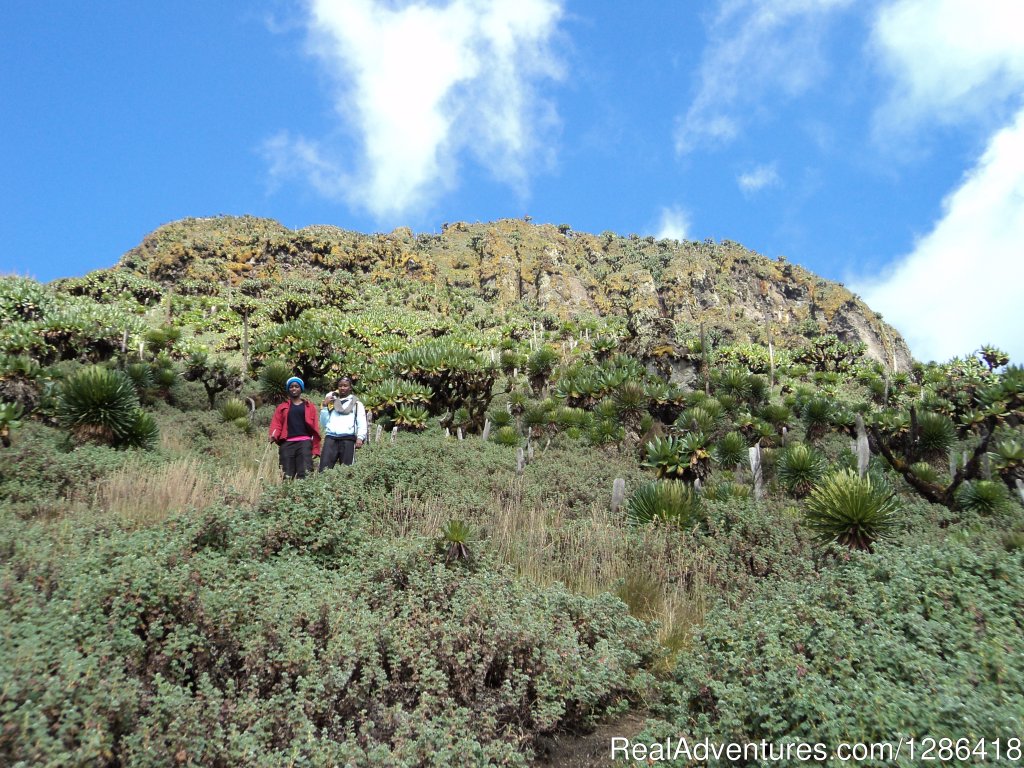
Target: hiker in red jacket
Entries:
(295, 428)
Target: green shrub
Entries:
(878, 646)
(39, 477)
(747, 542)
(284, 634)
(22, 298)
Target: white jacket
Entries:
(337, 424)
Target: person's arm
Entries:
(362, 427)
(275, 425)
(314, 424)
(325, 410)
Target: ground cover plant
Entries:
(731, 530)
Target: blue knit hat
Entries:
(295, 380)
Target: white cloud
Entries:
(961, 285)
(758, 178)
(420, 85)
(674, 224)
(950, 60)
(757, 49)
(958, 62)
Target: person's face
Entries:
(294, 391)
(344, 388)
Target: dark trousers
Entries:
(337, 450)
(296, 458)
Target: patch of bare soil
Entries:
(591, 750)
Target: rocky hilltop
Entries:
(660, 286)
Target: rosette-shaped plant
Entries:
(851, 511)
(100, 405)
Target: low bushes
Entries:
(881, 646)
(286, 634)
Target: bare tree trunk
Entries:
(755, 469)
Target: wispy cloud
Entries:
(421, 87)
(949, 60)
(758, 178)
(961, 285)
(758, 49)
(674, 223)
(955, 61)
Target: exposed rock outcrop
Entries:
(664, 288)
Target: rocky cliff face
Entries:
(665, 289)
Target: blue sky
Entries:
(876, 142)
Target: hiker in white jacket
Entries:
(343, 424)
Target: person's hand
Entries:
(359, 443)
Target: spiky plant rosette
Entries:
(665, 501)
(411, 417)
(630, 401)
(731, 450)
(233, 408)
(817, 413)
(924, 471)
(141, 431)
(499, 418)
(98, 404)
(936, 434)
(799, 468)
(605, 432)
(852, 511)
(726, 490)
(507, 436)
(141, 375)
(698, 418)
(456, 536)
(271, 381)
(982, 496)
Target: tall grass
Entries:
(656, 570)
(144, 496)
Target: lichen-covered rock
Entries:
(512, 262)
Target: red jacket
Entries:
(279, 424)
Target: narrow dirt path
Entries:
(592, 750)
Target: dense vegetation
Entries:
(739, 531)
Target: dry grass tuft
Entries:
(144, 496)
